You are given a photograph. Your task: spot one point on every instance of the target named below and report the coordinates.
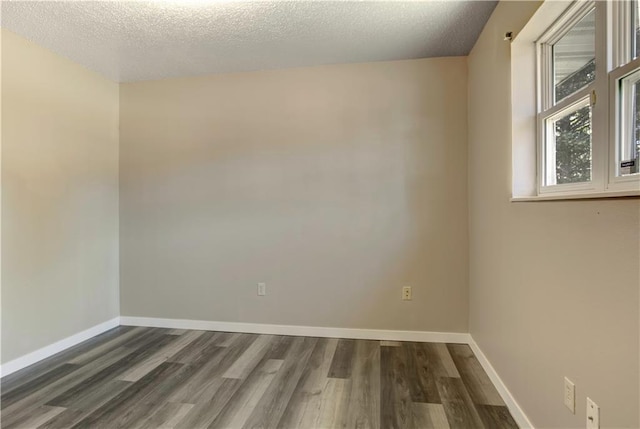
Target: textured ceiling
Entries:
(132, 40)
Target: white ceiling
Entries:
(134, 40)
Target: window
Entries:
(624, 95)
(588, 100)
(628, 153)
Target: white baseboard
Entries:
(306, 331)
(50, 350)
(518, 414)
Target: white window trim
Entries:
(525, 126)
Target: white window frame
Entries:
(613, 48)
(618, 131)
(623, 65)
(587, 96)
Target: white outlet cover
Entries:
(570, 395)
(262, 289)
(593, 415)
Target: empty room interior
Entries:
(320, 214)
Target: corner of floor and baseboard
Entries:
(57, 347)
(257, 328)
(514, 408)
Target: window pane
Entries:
(570, 142)
(574, 58)
(629, 149)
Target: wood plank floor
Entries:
(161, 378)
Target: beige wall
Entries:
(59, 198)
(335, 185)
(553, 285)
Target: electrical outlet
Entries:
(570, 395)
(593, 415)
(406, 293)
(262, 289)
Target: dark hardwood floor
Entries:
(160, 378)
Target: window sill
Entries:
(584, 196)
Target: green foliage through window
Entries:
(573, 132)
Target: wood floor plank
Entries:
(202, 388)
(64, 420)
(36, 384)
(390, 343)
(304, 405)
(74, 380)
(193, 351)
(39, 416)
(243, 366)
(269, 410)
(162, 355)
(132, 334)
(429, 416)
(342, 359)
(167, 417)
(86, 405)
(239, 408)
(441, 363)
(154, 401)
(460, 410)
(496, 417)
(364, 400)
(279, 347)
(11, 381)
(424, 363)
(116, 412)
(95, 398)
(209, 379)
(148, 335)
(448, 366)
(477, 382)
(228, 338)
(334, 404)
(395, 403)
(111, 372)
(204, 413)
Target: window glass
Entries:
(629, 149)
(574, 58)
(571, 146)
